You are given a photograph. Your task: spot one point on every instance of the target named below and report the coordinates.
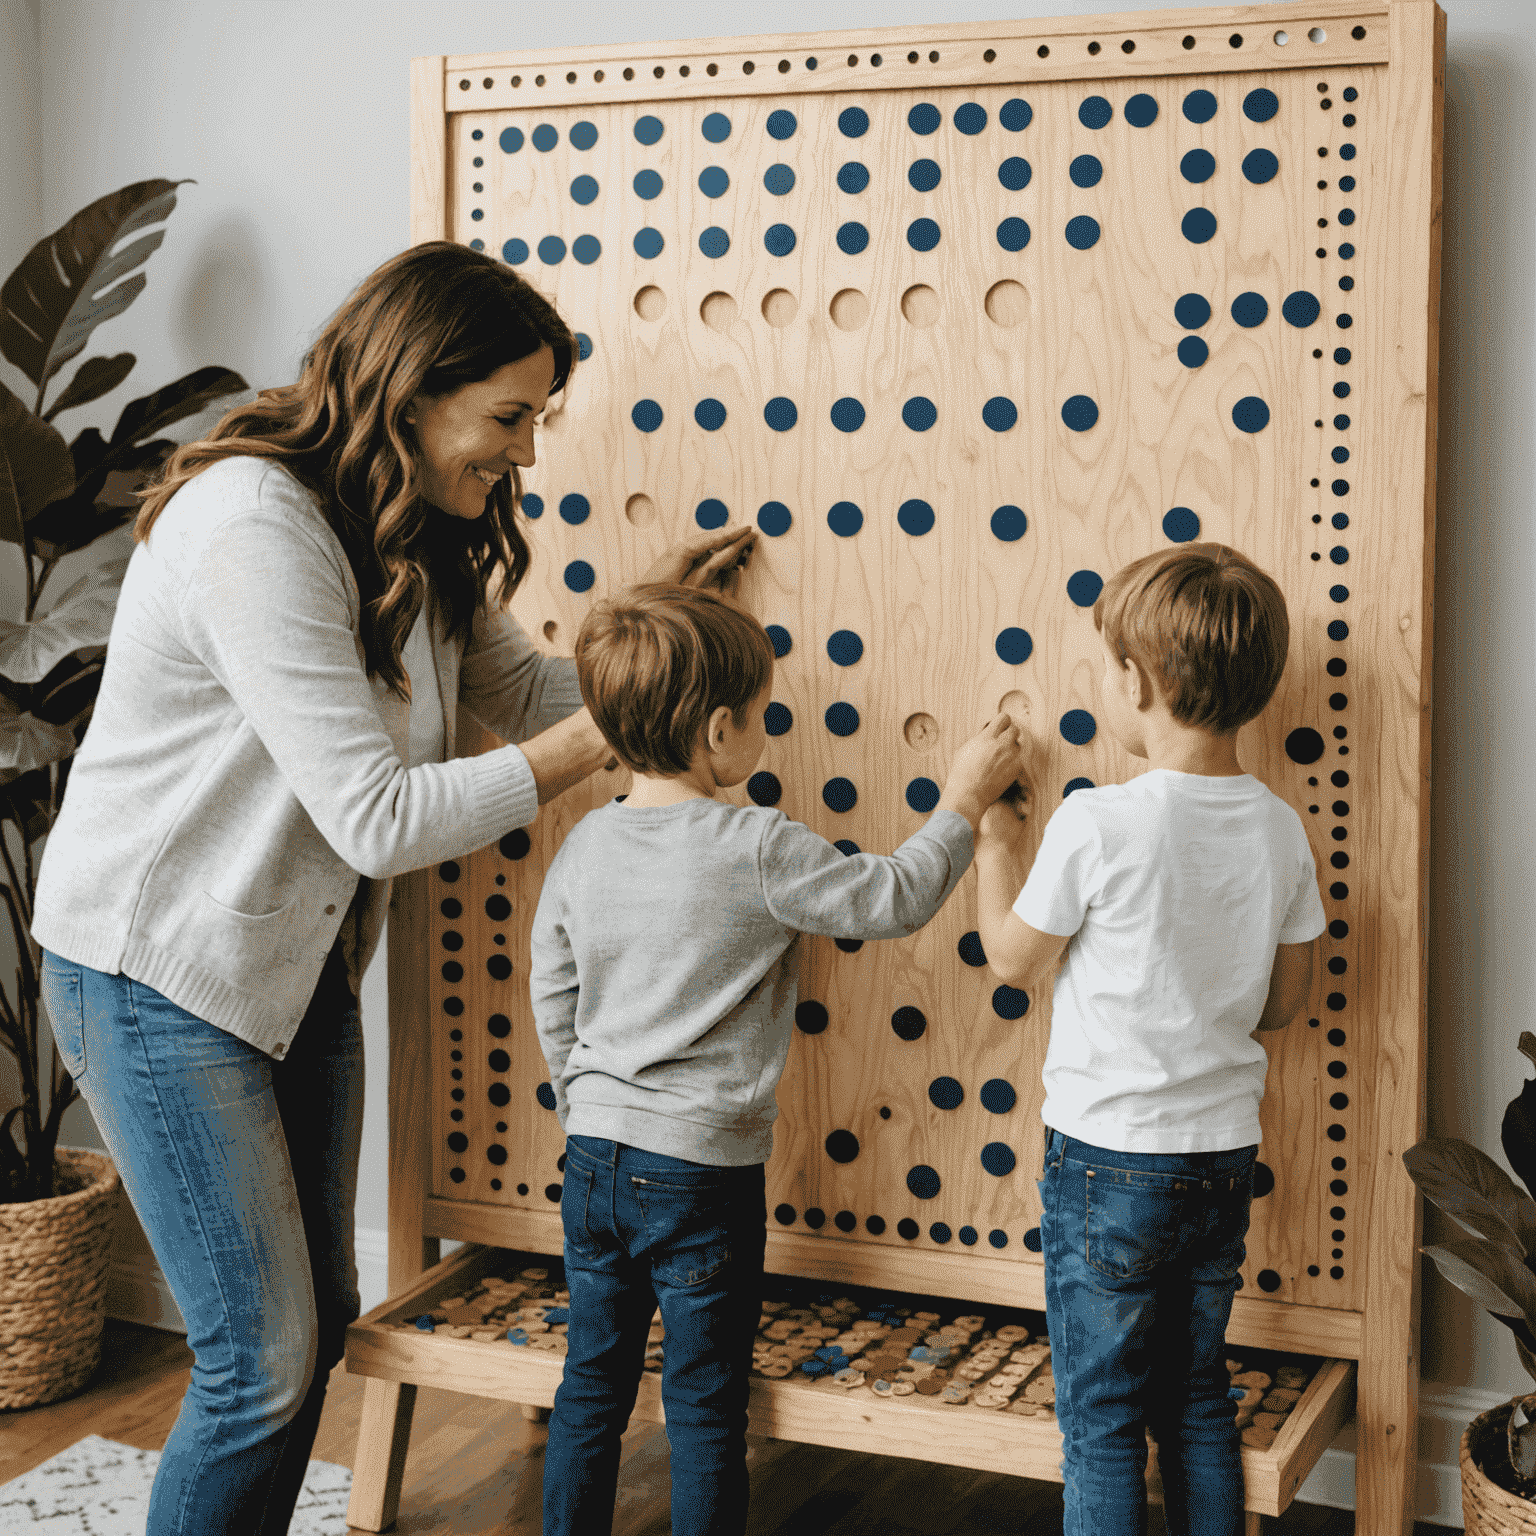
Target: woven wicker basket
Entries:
(53, 1282)
(1488, 1509)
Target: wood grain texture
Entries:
(383, 1437)
(429, 203)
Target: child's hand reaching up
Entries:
(983, 770)
(1003, 821)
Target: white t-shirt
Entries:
(1176, 888)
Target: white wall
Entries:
(291, 115)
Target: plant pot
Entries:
(53, 1281)
(1488, 1508)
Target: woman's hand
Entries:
(715, 559)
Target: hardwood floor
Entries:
(475, 1466)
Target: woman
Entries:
(310, 603)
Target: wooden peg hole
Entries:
(921, 731)
(920, 304)
(718, 311)
(650, 302)
(849, 309)
(640, 510)
(1007, 302)
(1015, 706)
(780, 306)
(550, 630)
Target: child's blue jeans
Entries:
(1142, 1253)
(643, 1230)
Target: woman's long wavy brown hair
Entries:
(430, 320)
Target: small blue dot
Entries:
(1200, 106)
(774, 518)
(971, 951)
(1339, 555)
(922, 234)
(711, 513)
(714, 242)
(1338, 630)
(586, 249)
(477, 213)
(583, 346)
(649, 129)
(710, 414)
(545, 1094)
(779, 180)
(1301, 309)
(714, 181)
(1014, 173)
(1193, 352)
(915, 517)
(575, 508)
(1141, 110)
(781, 124)
(1009, 524)
(923, 1181)
(1083, 587)
(1095, 112)
(764, 789)
(1080, 412)
(1032, 1240)
(997, 1237)
(1000, 413)
(919, 413)
(924, 175)
(945, 1093)
(924, 118)
(716, 127)
(1260, 105)
(551, 250)
(1340, 520)
(1198, 165)
(967, 1235)
(780, 413)
(779, 239)
(511, 140)
(648, 243)
(1082, 232)
(1073, 785)
(579, 576)
(852, 238)
(1341, 455)
(1078, 727)
(584, 190)
(477, 245)
(515, 252)
(1259, 166)
(1250, 414)
(646, 415)
(839, 795)
(971, 118)
(1250, 309)
(841, 719)
(1015, 114)
(845, 519)
(853, 122)
(1086, 171)
(532, 504)
(1344, 321)
(477, 135)
(1341, 487)
(781, 640)
(997, 1093)
(922, 795)
(853, 177)
(847, 414)
(1180, 525)
(1014, 645)
(997, 1158)
(1199, 225)
(1013, 234)
(1346, 151)
(844, 647)
(1192, 311)
(648, 184)
(1341, 389)
(1338, 594)
(940, 1232)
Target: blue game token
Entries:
(716, 127)
(1009, 524)
(1015, 114)
(1014, 173)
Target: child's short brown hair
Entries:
(656, 661)
(1208, 626)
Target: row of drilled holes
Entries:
(1316, 35)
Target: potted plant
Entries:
(1495, 1264)
(57, 1208)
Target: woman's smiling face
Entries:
(468, 439)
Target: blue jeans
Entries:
(242, 1170)
(1142, 1252)
(643, 1230)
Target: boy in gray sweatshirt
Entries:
(664, 967)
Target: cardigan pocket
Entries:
(250, 940)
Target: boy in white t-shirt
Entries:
(1186, 904)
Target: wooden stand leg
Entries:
(1253, 1524)
(535, 1414)
(379, 1465)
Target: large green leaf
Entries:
(27, 742)
(78, 276)
(97, 505)
(81, 617)
(1493, 1276)
(42, 468)
(1518, 1132)
(187, 396)
(72, 687)
(96, 376)
(1472, 1189)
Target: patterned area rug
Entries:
(100, 1488)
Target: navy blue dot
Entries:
(1199, 106)
(1080, 412)
(1141, 110)
(1082, 232)
(648, 243)
(1000, 413)
(852, 238)
(1078, 727)
(1083, 587)
(945, 1093)
(1009, 524)
(841, 719)
(1339, 594)
(477, 213)
(1341, 423)
(1346, 151)
(646, 415)
(923, 1181)
(511, 140)
(1250, 414)
(1344, 321)
(1338, 630)
(1015, 114)
(515, 252)
(1193, 352)
(1340, 456)
(1073, 785)
(1199, 225)
(997, 1095)
(846, 846)
(922, 795)
(714, 242)
(764, 789)
(919, 413)
(575, 508)
(711, 513)
(477, 135)
(1014, 645)
(649, 129)
(1192, 311)
(915, 517)
(852, 177)
(781, 640)
(1341, 389)
(1013, 234)
(1095, 112)
(777, 719)
(844, 647)
(545, 137)
(845, 519)
(847, 414)
(940, 1232)
(714, 181)
(545, 1094)
(584, 190)
(970, 949)
(1180, 525)
(924, 175)
(781, 124)
(532, 504)
(842, 1147)
(1301, 309)
(1008, 1003)
(1086, 171)
(967, 1235)
(586, 249)
(1340, 520)
(551, 250)
(716, 127)
(997, 1158)
(477, 245)
(1250, 309)
(648, 184)
(1198, 165)
(909, 1023)
(1341, 488)
(583, 346)
(839, 795)
(774, 518)
(780, 413)
(1338, 554)
(922, 234)
(1260, 165)
(1032, 1240)
(779, 180)
(997, 1237)
(1014, 173)
(710, 414)
(779, 239)
(853, 122)
(924, 118)
(971, 118)
(1346, 251)
(1260, 105)
(579, 576)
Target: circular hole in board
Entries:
(650, 303)
(921, 731)
(1007, 302)
(920, 304)
(1015, 706)
(1281, 39)
(780, 306)
(551, 629)
(640, 510)
(1317, 35)
(849, 309)
(718, 311)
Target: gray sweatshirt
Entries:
(665, 961)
